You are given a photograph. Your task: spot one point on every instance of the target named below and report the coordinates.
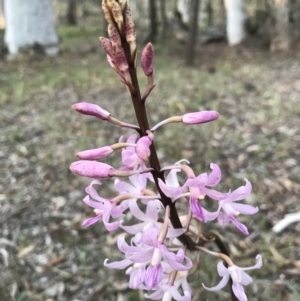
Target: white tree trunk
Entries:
(2, 22)
(183, 6)
(236, 32)
(282, 35)
(29, 22)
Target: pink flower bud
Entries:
(92, 169)
(93, 154)
(199, 117)
(143, 148)
(109, 59)
(106, 45)
(147, 58)
(114, 36)
(117, 14)
(91, 109)
(130, 33)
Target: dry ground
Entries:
(44, 252)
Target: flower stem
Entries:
(141, 115)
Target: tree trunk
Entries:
(235, 15)
(183, 9)
(153, 21)
(210, 14)
(71, 14)
(192, 43)
(30, 23)
(164, 19)
(2, 21)
(282, 36)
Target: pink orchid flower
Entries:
(238, 276)
(104, 208)
(231, 209)
(197, 189)
(168, 292)
(150, 252)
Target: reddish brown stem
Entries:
(142, 118)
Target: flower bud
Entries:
(91, 110)
(106, 11)
(119, 59)
(114, 36)
(106, 45)
(130, 33)
(94, 154)
(117, 14)
(92, 169)
(118, 55)
(147, 58)
(123, 4)
(199, 117)
(111, 63)
(143, 147)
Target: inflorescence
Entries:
(161, 241)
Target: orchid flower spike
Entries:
(238, 276)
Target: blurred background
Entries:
(239, 57)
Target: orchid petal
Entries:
(210, 216)
(134, 228)
(239, 225)
(175, 294)
(223, 219)
(92, 191)
(154, 275)
(137, 212)
(123, 246)
(139, 181)
(141, 256)
(258, 265)
(197, 209)
(241, 192)
(222, 270)
(244, 209)
(155, 296)
(219, 286)
(172, 179)
(173, 260)
(96, 205)
(117, 211)
(90, 221)
(123, 187)
(215, 195)
(175, 232)
(109, 226)
(137, 277)
(199, 181)
(150, 236)
(239, 292)
(171, 192)
(122, 264)
(246, 279)
(132, 138)
(215, 176)
(151, 211)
